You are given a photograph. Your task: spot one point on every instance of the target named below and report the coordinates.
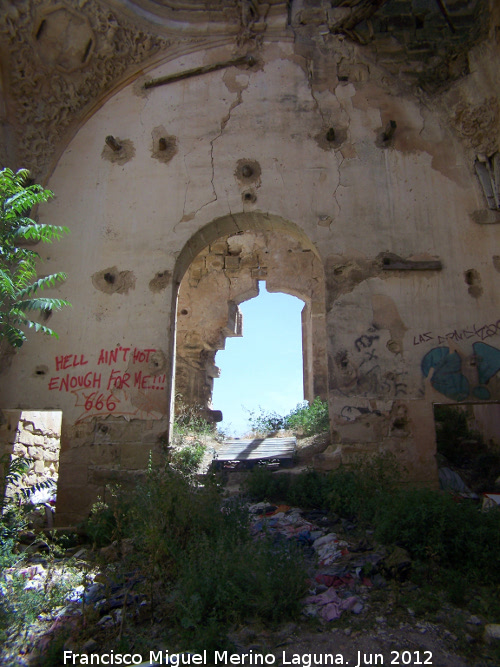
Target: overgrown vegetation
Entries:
(437, 529)
(203, 574)
(189, 420)
(306, 419)
(14, 504)
(21, 599)
(19, 286)
(198, 553)
(465, 449)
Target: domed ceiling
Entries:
(60, 60)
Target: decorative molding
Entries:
(50, 80)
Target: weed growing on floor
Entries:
(198, 558)
(23, 600)
(187, 459)
(189, 420)
(351, 493)
(465, 448)
(441, 532)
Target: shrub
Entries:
(222, 584)
(189, 420)
(307, 419)
(187, 460)
(265, 422)
(197, 553)
(434, 526)
(352, 493)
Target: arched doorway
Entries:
(218, 269)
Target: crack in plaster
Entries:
(185, 217)
(309, 66)
(187, 188)
(223, 124)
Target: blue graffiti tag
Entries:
(448, 378)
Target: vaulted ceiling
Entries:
(60, 60)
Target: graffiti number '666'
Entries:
(97, 402)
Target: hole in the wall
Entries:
(473, 279)
(87, 51)
(468, 446)
(249, 197)
(164, 145)
(184, 311)
(469, 277)
(41, 370)
(247, 171)
(41, 27)
(110, 280)
(330, 135)
(161, 281)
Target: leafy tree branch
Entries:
(19, 285)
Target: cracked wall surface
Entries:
(330, 134)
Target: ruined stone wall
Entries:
(34, 435)
(377, 172)
(221, 277)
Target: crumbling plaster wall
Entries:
(364, 203)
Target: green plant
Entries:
(306, 419)
(101, 524)
(13, 470)
(224, 581)
(309, 419)
(436, 528)
(188, 458)
(19, 285)
(263, 422)
(14, 503)
(353, 493)
(23, 600)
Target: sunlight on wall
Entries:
(264, 368)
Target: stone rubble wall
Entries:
(35, 435)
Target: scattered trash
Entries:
(449, 480)
(491, 500)
(329, 605)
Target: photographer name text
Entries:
(157, 658)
